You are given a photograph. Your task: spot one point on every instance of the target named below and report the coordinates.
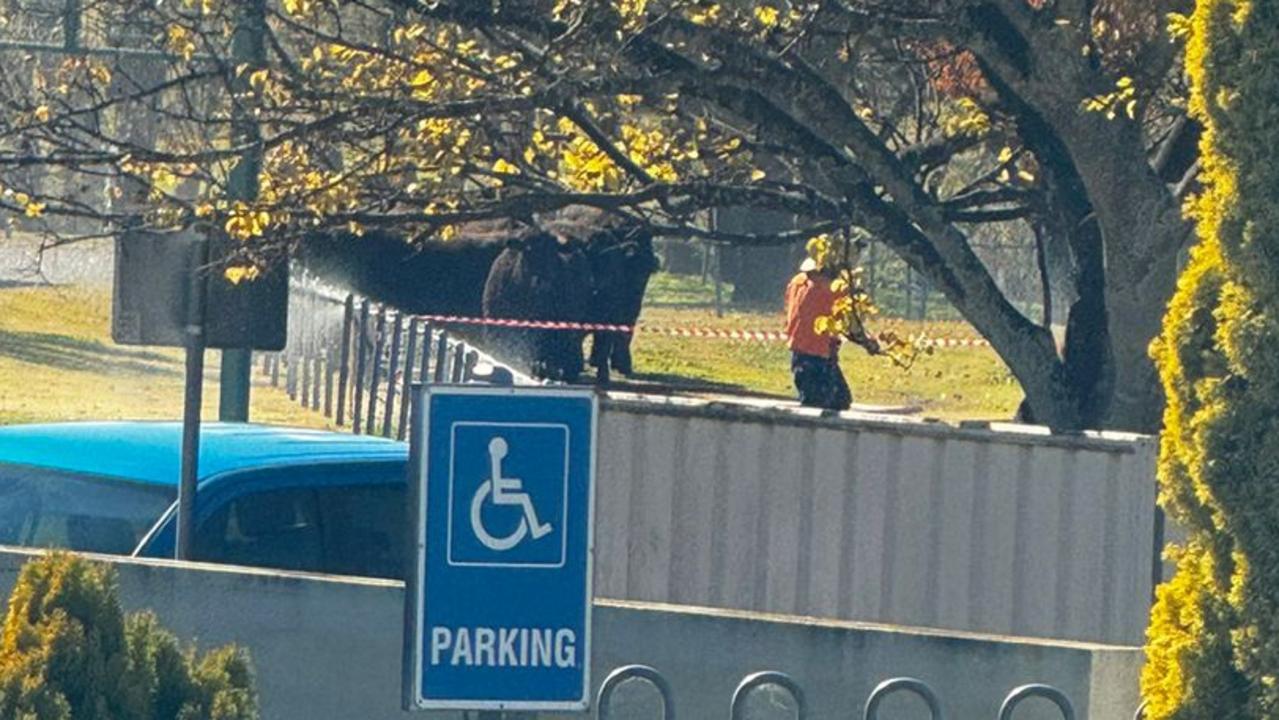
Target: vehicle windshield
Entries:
(55, 509)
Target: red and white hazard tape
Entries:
(755, 335)
(954, 343)
(526, 324)
(687, 332)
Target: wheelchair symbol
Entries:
(504, 491)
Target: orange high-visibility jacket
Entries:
(808, 297)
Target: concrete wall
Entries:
(328, 648)
(877, 519)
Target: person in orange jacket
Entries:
(819, 379)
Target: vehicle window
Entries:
(341, 519)
(363, 530)
(272, 528)
(56, 509)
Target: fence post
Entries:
(737, 711)
(388, 412)
(468, 372)
(361, 340)
(275, 369)
(291, 374)
(1048, 692)
(424, 375)
(459, 362)
(306, 380)
(410, 352)
(328, 381)
(317, 364)
(441, 356)
(603, 701)
(907, 684)
(344, 363)
(379, 340)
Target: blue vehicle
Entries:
(268, 497)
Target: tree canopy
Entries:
(917, 123)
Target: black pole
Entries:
(248, 53)
(71, 26)
(424, 375)
(388, 411)
(459, 362)
(361, 342)
(441, 357)
(410, 354)
(344, 361)
(379, 342)
(192, 401)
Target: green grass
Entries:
(667, 289)
(952, 383)
(57, 362)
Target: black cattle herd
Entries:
(579, 268)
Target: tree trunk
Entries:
(1107, 182)
(1142, 228)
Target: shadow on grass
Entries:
(68, 353)
(667, 382)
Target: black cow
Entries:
(622, 260)
(541, 277)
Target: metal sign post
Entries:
(498, 611)
(192, 401)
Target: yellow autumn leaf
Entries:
(34, 209)
(43, 114)
(422, 79)
(258, 79)
(757, 175)
(704, 14)
(766, 15)
(237, 274)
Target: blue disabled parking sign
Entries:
(500, 600)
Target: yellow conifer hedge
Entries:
(1213, 642)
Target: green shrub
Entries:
(68, 652)
(1213, 642)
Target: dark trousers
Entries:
(820, 382)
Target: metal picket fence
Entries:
(355, 360)
(798, 706)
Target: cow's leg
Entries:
(600, 344)
(621, 354)
(573, 361)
